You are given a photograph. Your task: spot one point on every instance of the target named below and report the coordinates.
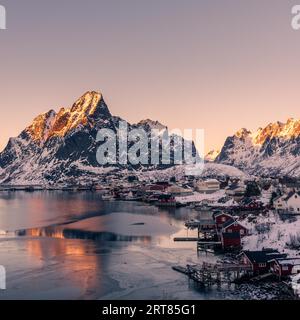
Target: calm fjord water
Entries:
(73, 245)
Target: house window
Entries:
(262, 265)
(242, 231)
(229, 230)
(223, 219)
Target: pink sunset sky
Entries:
(216, 65)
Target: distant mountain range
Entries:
(271, 151)
(61, 146)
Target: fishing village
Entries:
(228, 211)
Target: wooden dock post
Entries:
(209, 274)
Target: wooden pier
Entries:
(208, 246)
(209, 274)
(200, 224)
(177, 239)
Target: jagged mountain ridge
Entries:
(61, 146)
(87, 110)
(271, 151)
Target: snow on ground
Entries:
(230, 203)
(286, 165)
(277, 237)
(197, 197)
(179, 171)
(295, 282)
(222, 170)
(96, 170)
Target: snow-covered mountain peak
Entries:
(272, 150)
(63, 146)
(87, 103)
(90, 104)
(89, 108)
(243, 133)
(291, 128)
(150, 124)
(288, 130)
(41, 126)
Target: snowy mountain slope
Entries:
(62, 146)
(209, 170)
(272, 151)
(277, 237)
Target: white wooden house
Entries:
(288, 203)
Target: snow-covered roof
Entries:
(212, 181)
(231, 222)
(263, 256)
(292, 261)
(291, 194)
(223, 213)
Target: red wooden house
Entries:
(221, 218)
(260, 261)
(233, 226)
(285, 266)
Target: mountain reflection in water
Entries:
(75, 246)
(61, 233)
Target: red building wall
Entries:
(281, 270)
(236, 227)
(228, 243)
